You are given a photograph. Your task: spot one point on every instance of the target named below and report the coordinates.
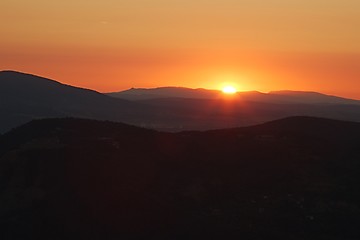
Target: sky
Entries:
(112, 45)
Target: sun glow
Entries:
(229, 89)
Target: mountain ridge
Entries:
(176, 92)
(24, 97)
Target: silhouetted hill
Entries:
(24, 97)
(314, 127)
(295, 178)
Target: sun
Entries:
(229, 89)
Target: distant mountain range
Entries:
(295, 178)
(285, 97)
(24, 97)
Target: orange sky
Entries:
(112, 45)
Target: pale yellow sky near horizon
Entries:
(255, 45)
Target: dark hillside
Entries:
(295, 178)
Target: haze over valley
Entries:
(25, 97)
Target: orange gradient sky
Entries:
(112, 45)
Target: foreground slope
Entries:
(295, 178)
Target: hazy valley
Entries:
(25, 97)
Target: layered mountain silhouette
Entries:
(64, 176)
(295, 178)
(24, 97)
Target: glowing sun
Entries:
(229, 89)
